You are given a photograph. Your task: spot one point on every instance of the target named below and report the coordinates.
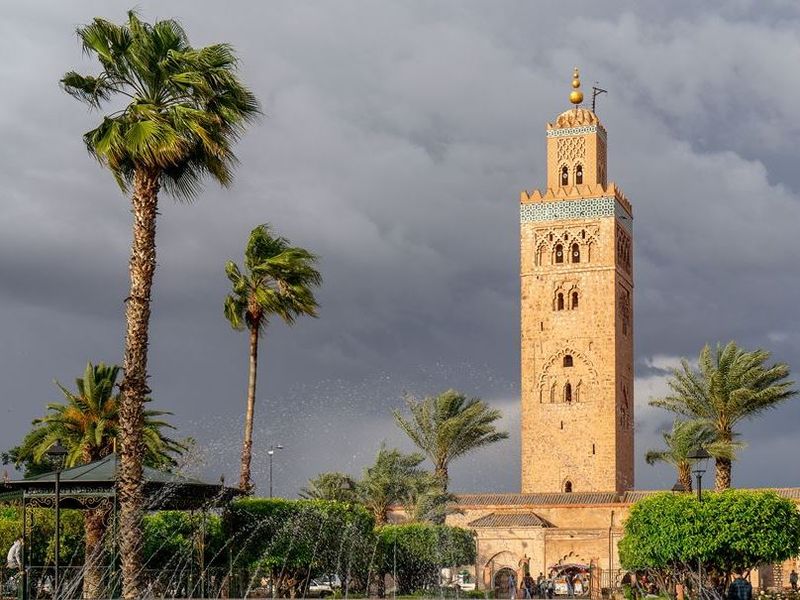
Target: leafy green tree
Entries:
(88, 426)
(185, 109)
(395, 478)
(415, 552)
(679, 443)
(278, 280)
(729, 386)
(292, 540)
(41, 535)
(333, 486)
(172, 540)
(448, 426)
(736, 529)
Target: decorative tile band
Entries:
(577, 131)
(605, 206)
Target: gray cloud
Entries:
(396, 141)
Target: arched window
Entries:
(576, 253)
(568, 393)
(568, 360)
(564, 175)
(579, 175)
(574, 300)
(568, 487)
(559, 253)
(560, 301)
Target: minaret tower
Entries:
(577, 316)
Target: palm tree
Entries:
(729, 385)
(333, 486)
(278, 279)
(87, 424)
(449, 425)
(185, 109)
(679, 442)
(394, 479)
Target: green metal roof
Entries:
(85, 484)
(105, 471)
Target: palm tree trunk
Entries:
(95, 529)
(722, 478)
(245, 481)
(685, 476)
(134, 388)
(442, 475)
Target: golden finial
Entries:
(576, 95)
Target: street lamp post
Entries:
(57, 453)
(699, 456)
(271, 453)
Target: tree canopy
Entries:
(87, 424)
(729, 385)
(415, 552)
(292, 540)
(735, 529)
(448, 426)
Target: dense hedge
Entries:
(415, 552)
(729, 530)
(293, 540)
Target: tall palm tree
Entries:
(278, 280)
(185, 109)
(449, 425)
(87, 424)
(729, 386)
(679, 443)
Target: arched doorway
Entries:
(502, 582)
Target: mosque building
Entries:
(577, 405)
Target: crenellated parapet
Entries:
(578, 193)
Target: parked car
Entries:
(318, 589)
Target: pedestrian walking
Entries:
(14, 557)
(793, 580)
(528, 584)
(512, 587)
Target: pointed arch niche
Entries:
(568, 378)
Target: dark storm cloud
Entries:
(395, 143)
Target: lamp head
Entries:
(57, 450)
(699, 456)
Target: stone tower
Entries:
(576, 272)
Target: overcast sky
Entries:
(396, 140)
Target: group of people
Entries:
(541, 587)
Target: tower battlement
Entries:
(577, 192)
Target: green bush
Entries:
(415, 552)
(173, 537)
(291, 539)
(43, 526)
(729, 530)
